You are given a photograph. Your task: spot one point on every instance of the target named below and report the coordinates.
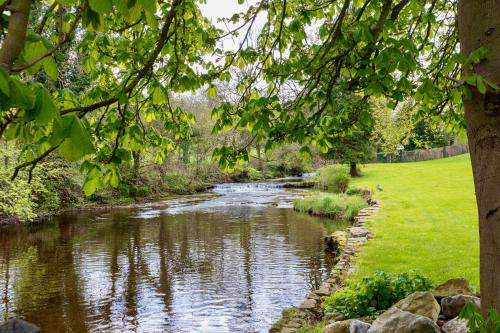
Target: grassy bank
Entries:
(428, 219)
(336, 206)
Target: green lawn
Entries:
(427, 222)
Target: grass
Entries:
(428, 220)
(337, 206)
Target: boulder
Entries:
(18, 326)
(308, 304)
(358, 326)
(420, 303)
(452, 305)
(337, 241)
(395, 320)
(452, 287)
(359, 232)
(338, 327)
(456, 325)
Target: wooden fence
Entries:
(422, 154)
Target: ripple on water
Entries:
(227, 264)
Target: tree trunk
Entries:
(259, 157)
(353, 169)
(136, 166)
(16, 32)
(479, 26)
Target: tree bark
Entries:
(16, 32)
(479, 26)
(353, 169)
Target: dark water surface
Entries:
(229, 263)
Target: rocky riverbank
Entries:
(421, 312)
(345, 244)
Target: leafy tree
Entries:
(354, 144)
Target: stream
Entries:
(225, 261)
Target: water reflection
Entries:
(218, 269)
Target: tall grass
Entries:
(337, 206)
(333, 178)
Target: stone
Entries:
(337, 241)
(338, 327)
(358, 326)
(452, 305)
(308, 304)
(18, 326)
(420, 303)
(452, 287)
(358, 232)
(456, 325)
(395, 320)
(323, 291)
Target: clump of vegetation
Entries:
(375, 294)
(333, 178)
(475, 321)
(286, 316)
(336, 206)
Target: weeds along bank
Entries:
(56, 184)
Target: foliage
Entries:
(336, 206)
(440, 224)
(180, 185)
(374, 294)
(334, 178)
(475, 321)
(53, 185)
(355, 145)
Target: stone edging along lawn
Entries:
(345, 244)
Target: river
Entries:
(226, 261)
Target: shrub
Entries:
(374, 294)
(337, 206)
(334, 178)
(476, 322)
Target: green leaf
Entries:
(76, 140)
(149, 5)
(4, 80)
(44, 110)
(21, 95)
(212, 92)
(101, 6)
(50, 67)
(92, 181)
(480, 85)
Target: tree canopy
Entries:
(94, 79)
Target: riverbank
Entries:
(428, 211)
(102, 202)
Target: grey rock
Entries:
(308, 304)
(456, 325)
(395, 320)
(358, 232)
(358, 326)
(452, 305)
(18, 326)
(420, 303)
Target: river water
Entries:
(227, 261)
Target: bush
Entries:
(334, 178)
(475, 321)
(375, 294)
(337, 206)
